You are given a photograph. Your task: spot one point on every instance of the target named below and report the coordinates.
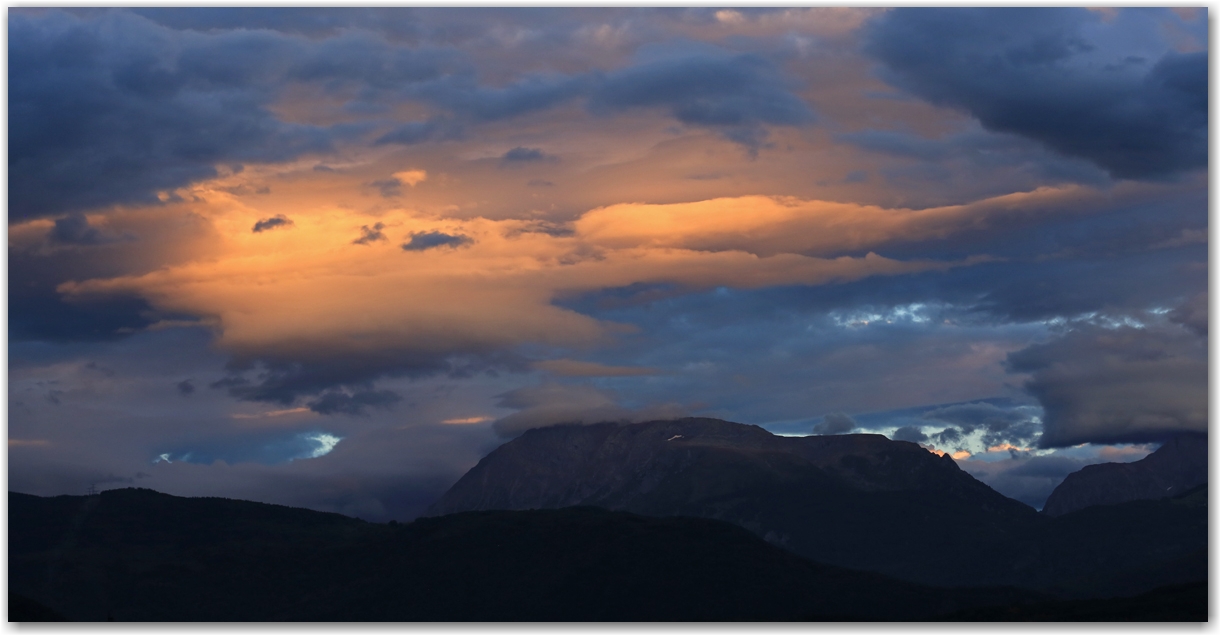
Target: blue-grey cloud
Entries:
(521, 154)
(275, 222)
(370, 235)
(1015, 425)
(185, 387)
(736, 94)
(430, 240)
(835, 423)
(1125, 384)
(152, 113)
(415, 132)
(354, 403)
(74, 229)
(909, 433)
(265, 448)
(1043, 73)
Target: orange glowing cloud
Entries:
(26, 443)
(957, 456)
(314, 290)
(466, 421)
(767, 225)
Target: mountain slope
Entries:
(854, 500)
(136, 555)
(1177, 466)
(857, 501)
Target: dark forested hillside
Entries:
(136, 555)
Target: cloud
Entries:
(392, 186)
(1192, 314)
(575, 368)
(1017, 425)
(1117, 385)
(411, 177)
(1055, 75)
(735, 94)
(909, 433)
(267, 448)
(460, 421)
(552, 404)
(157, 111)
(459, 311)
(461, 95)
(521, 154)
(1027, 479)
(332, 402)
(370, 235)
(185, 387)
(75, 229)
(835, 423)
(767, 225)
(275, 222)
(416, 132)
(429, 240)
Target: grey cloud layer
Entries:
(1045, 74)
(1118, 385)
(112, 108)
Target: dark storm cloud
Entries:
(355, 403)
(1035, 72)
(835, 423)
(115, 109)
(909, 433)
(275, 222)
(706, 87)
(370, 235)
(1117, 385)
(74, 229)
(966, 158)
(108, 107)
(284, 382)
(462, 95)
(735, 94)
(38, 312)
(429, 240)
(1015, 425)
(948, 436)
(1192, 314)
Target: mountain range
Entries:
(1177, 466)
(685, 520)
(859, 501)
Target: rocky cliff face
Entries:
(1174, 468)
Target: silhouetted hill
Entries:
(137, 555)
(858, 501)
(1176, 603)
(1177, 466)
(23, 609)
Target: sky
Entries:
(330, 258)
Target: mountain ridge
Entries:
(1177, 466)
(858, 501)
